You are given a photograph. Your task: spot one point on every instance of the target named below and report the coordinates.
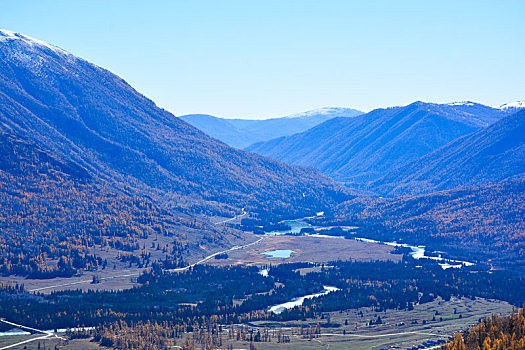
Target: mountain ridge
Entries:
(241, 133)
(514, 106)
(366, 147)
(487, 156)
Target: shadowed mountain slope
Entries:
(490, 155)
(87, 114)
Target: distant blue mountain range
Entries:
(241, 133)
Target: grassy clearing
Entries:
(47, 344)
(117, 275)
(309, 249)
(398, 331)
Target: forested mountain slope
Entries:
(485, 223)
(241, 133)
(87, 114)
(53, 213)
(364, 148)
(490, 155)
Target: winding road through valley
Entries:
(135, 274)
(231, 219)
(46, 334)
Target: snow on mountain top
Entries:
(461, 103)
(335, 111)
(7, 35)
(513, 105)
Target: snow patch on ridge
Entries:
(8, 35)
(319, 111)
(461, 103)
(512, 105)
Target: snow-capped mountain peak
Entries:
(8, 35)
(512, 105)
(36, 56)
(461, 103)
(326, 111)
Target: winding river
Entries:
(418, 252)
(277, 309)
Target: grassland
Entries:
(45, 344)
(309, 249)
(119, 275)
(398, 331)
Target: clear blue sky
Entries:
(273, 58)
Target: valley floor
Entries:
(309, 249)
(306, 249)
(340, 330)
(398, 331)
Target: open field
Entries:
(111, 279)
(309, 249)
(118, 275)
(45, 344)
(398, 331)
